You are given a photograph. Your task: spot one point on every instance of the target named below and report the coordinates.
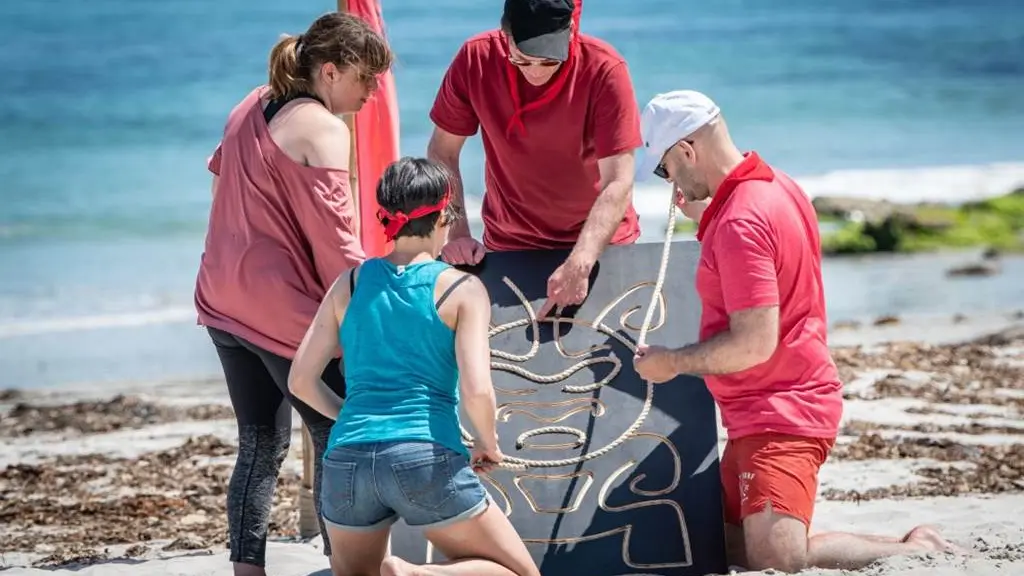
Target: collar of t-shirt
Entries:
(553, 89)
(751, 168)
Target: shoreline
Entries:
(931, 424)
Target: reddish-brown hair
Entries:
(336, 37)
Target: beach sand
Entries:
(132, 480)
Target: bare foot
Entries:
(395, 566)
(928, 538)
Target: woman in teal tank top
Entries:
(413, 334)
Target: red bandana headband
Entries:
(394, 222)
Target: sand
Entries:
(131, 481)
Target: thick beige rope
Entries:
(514, 463)
(670, 229)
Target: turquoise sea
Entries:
(109, 108)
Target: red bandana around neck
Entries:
(751, 168)
(515, 123)
(393, 222)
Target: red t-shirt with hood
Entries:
(542, 143)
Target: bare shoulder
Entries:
(475, 289)
(328, 139)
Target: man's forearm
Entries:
(460, 228)
(723, 353)
(602, 222)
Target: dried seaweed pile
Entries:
(989, 469)
(90, 417)
(976, 373)
(961, 374)
(856, 427)
(95, 500)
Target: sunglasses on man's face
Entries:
(526, 64)
(660, 171)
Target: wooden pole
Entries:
(308, 524)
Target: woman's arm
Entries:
(318, 346)
(473, 353)
(329, 215)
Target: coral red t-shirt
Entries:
(280, 233)
(760, 246)
(541, 176)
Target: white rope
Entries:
(513, 463)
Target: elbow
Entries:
(618, 194)
(441, 156)
(624, 193)
(438, 151)
(297, 385)
(618, 191)
(435, 151)
(760, 350)
(477, 392)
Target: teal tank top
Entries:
(401, 375)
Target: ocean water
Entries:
(110, 108)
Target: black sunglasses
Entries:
(526, 64)
(660, 170)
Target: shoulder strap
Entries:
(451, 288)
(275, 105)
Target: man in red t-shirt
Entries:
(763, 347)
(559, 122)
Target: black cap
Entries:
(540, 28)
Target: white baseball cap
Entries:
(667, 119)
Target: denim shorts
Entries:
(366, 487)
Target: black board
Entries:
(651, 505)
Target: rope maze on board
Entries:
(515, 463)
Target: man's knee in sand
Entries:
(773, 540)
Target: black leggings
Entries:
(258, 385)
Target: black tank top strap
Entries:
(276, 104)
(451, 289)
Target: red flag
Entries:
(376, 143)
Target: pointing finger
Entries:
(546, 308)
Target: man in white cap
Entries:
(762, 348)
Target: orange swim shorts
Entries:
(776, 469)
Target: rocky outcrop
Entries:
(975, 269)
(856, 209)
(886, 223)
(878, 212)
(988, 266)
(866, 225)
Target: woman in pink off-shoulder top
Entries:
(283, 226)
